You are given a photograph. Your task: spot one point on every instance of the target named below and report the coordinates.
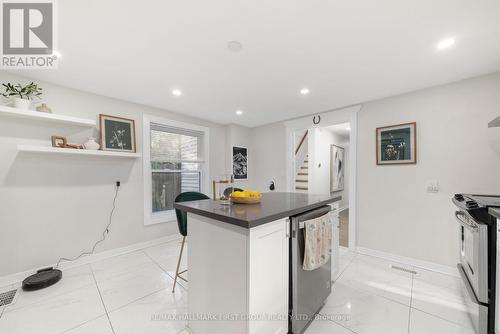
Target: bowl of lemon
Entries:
(246, 197)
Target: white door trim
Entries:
(328, 118)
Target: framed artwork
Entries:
(337, 167)
(59, 141)
(240, 162)
(397, 144)
(117, 133)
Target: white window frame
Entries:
(151, 218)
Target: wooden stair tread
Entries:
(301, 188)
(303, 181)
(302, 173)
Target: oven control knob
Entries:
(459, 197)
(471, 204)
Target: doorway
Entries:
(340, 137)
(322, 167)
(322, 160)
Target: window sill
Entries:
(161, 218)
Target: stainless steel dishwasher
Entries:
(308, 290)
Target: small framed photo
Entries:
(58, 141)
(240, 163)
(117, 133)
(397, 144)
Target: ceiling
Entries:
(343, 130)
(345, 52)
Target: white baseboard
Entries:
(452, 271)
(18, 277)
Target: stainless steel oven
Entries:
(473, 268)
(477, 258)
(474, 253)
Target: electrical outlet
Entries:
(432, 186)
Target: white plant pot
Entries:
(22, 103)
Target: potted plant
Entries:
(22, 95)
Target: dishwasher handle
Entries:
(315, 213)
(298, 222)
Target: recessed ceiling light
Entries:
(234, 46)
(239, 112)
(176, 92)
(445, 43)
(304, 91)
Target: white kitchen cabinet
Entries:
(238, 277)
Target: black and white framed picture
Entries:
(397, 144)
(117, 133)
(240, 163)
(337, 167)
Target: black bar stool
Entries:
(182, 224)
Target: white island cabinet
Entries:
(238, 262)
(238, 277)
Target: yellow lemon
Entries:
(246, 193)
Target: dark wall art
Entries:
(397, 144)
(117, 133)
(240, 163)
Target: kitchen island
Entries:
(238, 262)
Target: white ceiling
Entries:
(345, 52)
(343, 130)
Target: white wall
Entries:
(269, 147)
(455, 147)
(58, 206)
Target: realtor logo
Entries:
(28, 34)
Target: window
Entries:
(175, 163)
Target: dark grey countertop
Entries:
(273, 206)
(495, 212)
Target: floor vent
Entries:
(8, 297)
(404, 269)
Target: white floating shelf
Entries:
(46, 117)
(494, 123)
(70, 151)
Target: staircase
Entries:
(302, 177)
(302, 166)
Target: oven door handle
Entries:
(468, 287)
(465, 223)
